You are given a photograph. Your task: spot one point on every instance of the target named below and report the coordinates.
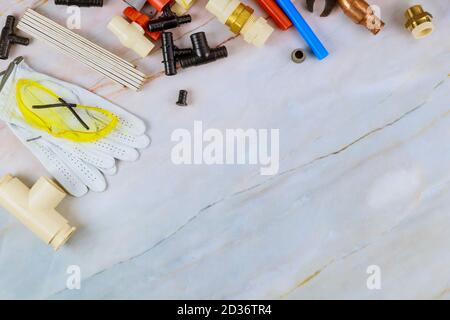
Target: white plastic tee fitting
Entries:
(241, 20)
(35, 208)
(131, 35)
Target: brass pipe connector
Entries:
(418, 22)
(239, 18)
(361, 13)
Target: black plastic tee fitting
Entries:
(168, 20)
(201, 52)
(8, 38)
(168, 51)
(80, 3)
(171, 53)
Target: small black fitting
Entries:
(80, 3)
(182, 98)
(8, 38)
(168, 20)
(201, 52)
(168, 51)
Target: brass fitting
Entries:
(361, 13)
(239, 18)
(418, 22)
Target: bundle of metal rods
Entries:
(82, 50)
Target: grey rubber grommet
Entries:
(298, 56)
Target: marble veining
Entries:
(364, 173)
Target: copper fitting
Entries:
(361, 13)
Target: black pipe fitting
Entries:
(8, 38)
(168, 51)
(168, 20)
(182, 98)
(183, 52)
(201, 52)
(80, 3)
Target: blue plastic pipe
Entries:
(302, 26)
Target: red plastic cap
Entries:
(142, 20)
(136, 16)
(159, 4)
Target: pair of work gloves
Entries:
(69, 153)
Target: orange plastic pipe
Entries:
(277, 15)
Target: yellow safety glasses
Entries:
(45, 110)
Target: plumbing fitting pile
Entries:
(78, 136)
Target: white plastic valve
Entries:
(131, 35)
(222, 9)
(35, 208)
(240, 19)
(256, 31)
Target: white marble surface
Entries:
(364, 175)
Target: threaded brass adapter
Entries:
(418, 22)
(239, 18)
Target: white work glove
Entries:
(76, 166)
(74, 174)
